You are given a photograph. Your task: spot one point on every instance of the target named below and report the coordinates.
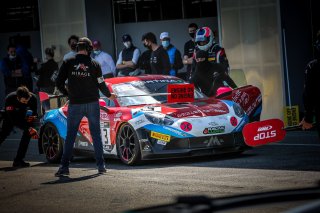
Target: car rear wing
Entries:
(50, 101)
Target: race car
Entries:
(141, 123)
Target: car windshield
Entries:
(146, 91)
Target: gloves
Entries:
(33, 133)
(31, 119)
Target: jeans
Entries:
(75, 113)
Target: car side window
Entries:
(111, 103)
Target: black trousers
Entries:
(5, 131)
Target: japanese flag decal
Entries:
(264, 132)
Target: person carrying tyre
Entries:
(85, 79)
(21, 112)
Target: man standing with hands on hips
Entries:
(84, 82)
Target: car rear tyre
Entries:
(52, 143)
(128, 145)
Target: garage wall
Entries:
(252, 38)
(58, 20)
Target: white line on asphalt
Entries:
(289, 144)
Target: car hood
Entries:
(200, 108)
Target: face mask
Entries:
(96, 52)
(127, 44)
(12, 57)
(165, 44)
(192, 35)
(73, 46)
(147, 46)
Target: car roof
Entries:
(118, 80)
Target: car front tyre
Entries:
(128, 147)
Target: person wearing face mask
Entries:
(47, 72)
(159, 59)
(189, 51)
(128, 57)
(173, 53)
(209, 77)
(12, 70)
(72, 42)
(105, 60)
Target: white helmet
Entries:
(204, 34)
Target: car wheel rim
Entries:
(127, 143)
(50, 141)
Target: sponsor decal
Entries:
(213, 124)
(83, 143)
(117, 116)
(186, 126)
(143, 140)
(160, 136)
(214, 130)
(9, 108)
(174, 131)
(138, 122)
(180, 93)
(265, 135)
(161, 142)
(264, 128)
(190, 113)
(214, 141)
(104, 116)
(234, 121)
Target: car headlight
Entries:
(238, 110)
(153, 118)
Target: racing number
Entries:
(105, 136)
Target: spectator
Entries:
(159, 59)
(106, 62)
(12, 69)
(47, 73)
(20, 111)
(189, 47)
(84, 82)
(72, 42)
(28, 62)
(311, 93)
(128, 57)
(144, 62)
(173, 53)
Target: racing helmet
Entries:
(204, 38)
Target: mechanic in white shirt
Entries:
(105, 60)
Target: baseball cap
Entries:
(164, 35)
(96, 44)
(126, 37)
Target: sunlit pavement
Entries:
(293, 163)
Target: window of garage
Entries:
(128, 11)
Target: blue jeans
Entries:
(75, 113)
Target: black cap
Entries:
(126, 37)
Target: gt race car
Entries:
(144, 123)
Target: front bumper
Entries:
(152, 148)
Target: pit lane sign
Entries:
(264, 132)
(180, 93)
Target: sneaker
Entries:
(102, 170)
(62, 171)
(20, 163)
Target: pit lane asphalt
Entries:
(292, 163)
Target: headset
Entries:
(86, 44)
